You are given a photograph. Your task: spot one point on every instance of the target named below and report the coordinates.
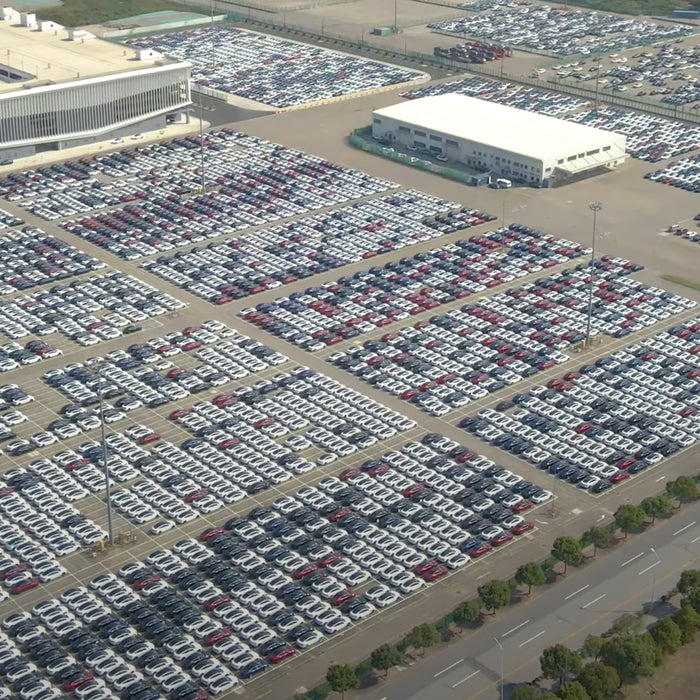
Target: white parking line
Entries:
(447, 668)
(651, 566)
(532, 639)
(629, 561)
(517, 627)
(695, 540)
(595, 600)
(684, 528)
(464, 680)
(571, 595)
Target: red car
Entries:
(329, 559)
(147, 439)
(24, 586)
(620, 476)
(498, 540)
(521, 507)
(523, 527)
(424, 566)
(216, 603)
(77, 682)
(11, 572)
(626, 462)
(379, 469)
(435, 573)
(304, 571)
(413, 489)
(217, 636)
(281, 654)
(190, 330)
(179, 413)
(349, 473)
(228, 443)
(192, 345)
(211, 532)
(340, 598)
(146, 582)
(339, 514)
(479, 550)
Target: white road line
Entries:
(464, 680)
(583, 588)
(629, 561)
(684, 528)
(661, 478)
(695, 540)
(651, 566)
(444, 670)
(517, 627)
(532, 639)
(595, 600)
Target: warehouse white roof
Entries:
(506, 128)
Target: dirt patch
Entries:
(674, 679)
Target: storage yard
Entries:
(325, 394)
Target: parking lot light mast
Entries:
(595, 207)
(108, 489)
(500, 647)
(653, 587)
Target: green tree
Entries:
(423, 636)
(629, 518)
(530, 692)
(530, 575)
(600, 681)
(689, 581)
(683, 489)
(573, 690)
(626, 625)
(592, 646)
(341, 677)
(567, 550)
(631, 657)
(657, 507)
(667, 635)
(688, 621)
(467, 613)
(385, 657)
(558, 662)
(494, 594)
(600, 537)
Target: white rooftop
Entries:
(506, 128)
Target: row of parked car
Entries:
(87, 311)
(288, 252)
(683, 173)
(257, 590)
(561, 31)
(271, 70)
(325, 315)
(597, 426)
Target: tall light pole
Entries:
(396, 16)
(201, 143)
(108, 488)
(500, 647)
(595, 207)
(653, 587)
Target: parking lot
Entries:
(560, 31)
(273, 71)
(683, 173)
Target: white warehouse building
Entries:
(504, 141)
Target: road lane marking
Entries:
(595, 600)
(532, 639)
(661, 478)
(651, 566)
(629, 561)
(444, 670)
(684, 528)
(583, 588)
(517, 627)
(464, 680)
(695, 540)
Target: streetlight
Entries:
(105, 461)
(595, 207)
(653, 588)
(500, 646)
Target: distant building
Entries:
(61, 87)
(507, 142)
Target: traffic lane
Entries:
(586, 602)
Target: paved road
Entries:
(585, 602)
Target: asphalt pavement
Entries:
(631, 577)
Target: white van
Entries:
(500, 184)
